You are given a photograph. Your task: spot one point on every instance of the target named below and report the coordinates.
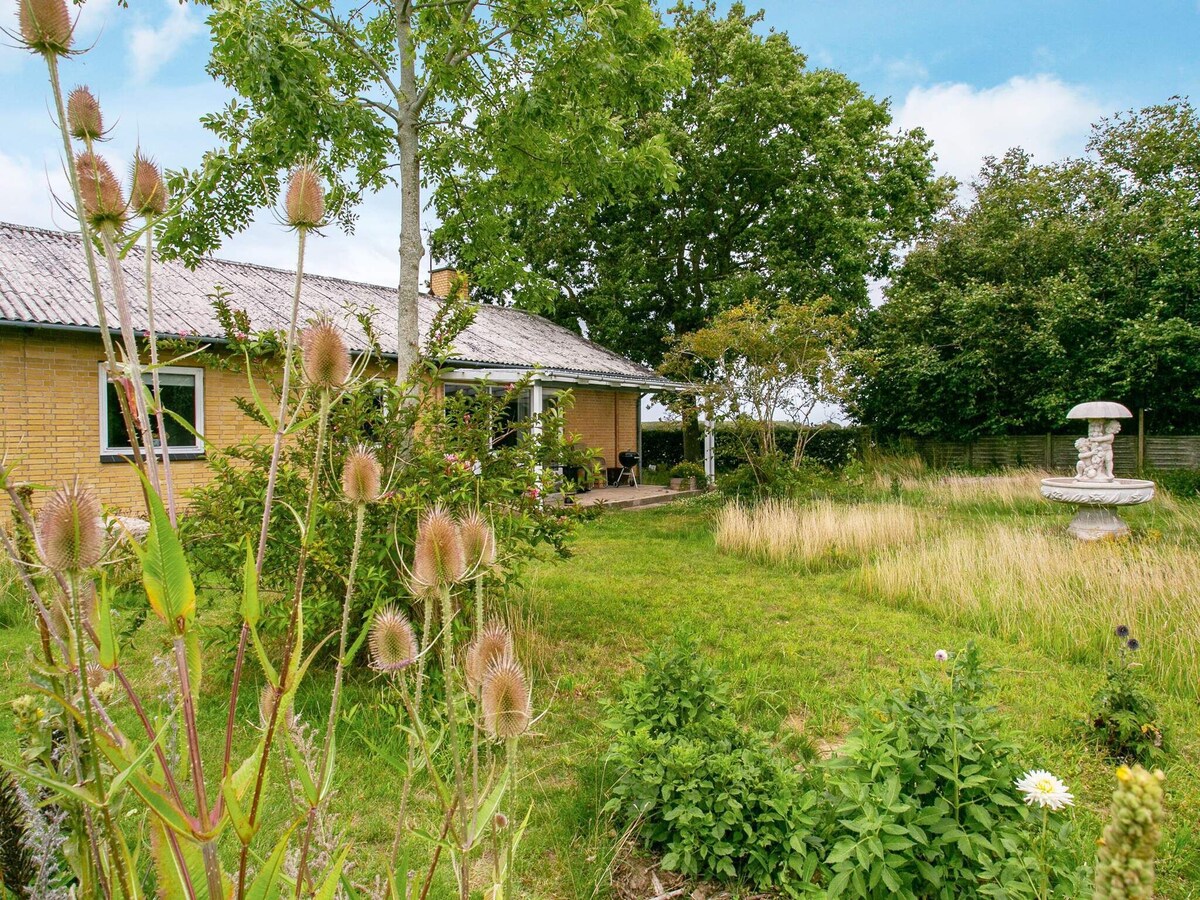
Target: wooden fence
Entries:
(1057, 452)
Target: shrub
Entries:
(1123, 716)
(716, 801)
(456, 461)
(778, 477)
(925, 803)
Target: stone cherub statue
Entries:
(1096, 451)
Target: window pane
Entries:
(178, 394)
(117, 435)
(181, 400)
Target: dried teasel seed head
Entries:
(45, 26)
(96, 675)
(70, 532)
(304, 203)
(392, 644)
(324, 356)
(147, 190)
(84, 120)
(267, 698)
(507, 709)
(438, 560)
(490, 646)
(361, 475)
(479, 541)
(103, 204)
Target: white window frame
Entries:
(191, 450)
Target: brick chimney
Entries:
(441, 279)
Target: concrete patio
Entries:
(630, 497)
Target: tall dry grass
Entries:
(791, 533)
(1010, 488)
(1056, 593)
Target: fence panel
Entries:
(1057, 452)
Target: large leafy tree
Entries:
(792, 184)
(490, 103)
(1056, 284)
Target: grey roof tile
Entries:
(43, 281)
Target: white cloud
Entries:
(1044, 115)
(151, 48)
(29, 190)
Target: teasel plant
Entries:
(102, 769)
(45, 28)
(361, 486)
(485, 698)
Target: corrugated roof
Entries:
(43, 281)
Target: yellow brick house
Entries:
(58, 414)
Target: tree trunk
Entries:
(411, 250)
(693, 436)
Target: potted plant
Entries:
(687, 476)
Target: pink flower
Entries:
(533, 493)
(941, 656)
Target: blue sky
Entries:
(980, 77)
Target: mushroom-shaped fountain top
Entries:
(1099, 409)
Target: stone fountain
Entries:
(1094, 489)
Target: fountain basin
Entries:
(1095, 519)
(1118, 492)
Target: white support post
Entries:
(710, 453)
(536, 403)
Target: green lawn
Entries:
(798, 649)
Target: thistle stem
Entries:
(132, 358)
(163, 441)
(295, 636)
(89, 255)
(448, 679)
(89, 717)
(272, 477)
(359, 521)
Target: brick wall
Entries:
(605, 420)
(50, 415)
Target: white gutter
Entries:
(562, 376)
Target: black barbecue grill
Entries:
(628, 460)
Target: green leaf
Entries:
(164, 568)
(251, 605)
(161, 805)
(263, 886)
(301, 767)
(83, 795)
(124, 774)
(256, 397)
(109, 647)
(330, 884)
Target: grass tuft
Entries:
(806, 535)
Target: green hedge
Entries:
(662, 445)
